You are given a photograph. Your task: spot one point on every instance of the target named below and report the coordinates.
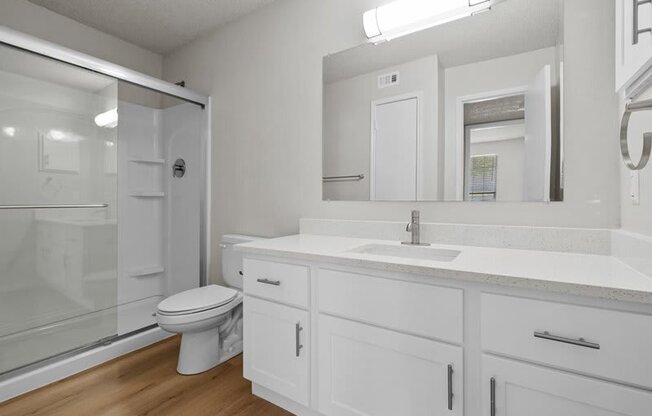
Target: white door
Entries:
(529, 390)
(365, 370)
(538, 137)
(633, 56)
(394, 150)
(276, 345)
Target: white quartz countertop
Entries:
(570, 273)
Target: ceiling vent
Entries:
(387, 80)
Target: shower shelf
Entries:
(146, 271)
(147, 160)
(147, 194)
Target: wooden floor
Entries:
(145, 382)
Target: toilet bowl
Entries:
(209, 318)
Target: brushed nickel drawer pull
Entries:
(579, 342)
(450, 387)
(297, 335)
(269, 282)
(492, 396)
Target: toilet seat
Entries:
(184, 319)
(197, 300)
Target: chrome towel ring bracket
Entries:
(647, 137)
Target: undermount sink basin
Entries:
(405, 251)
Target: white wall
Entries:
(347, 121)
(40, 22)
(264, 73)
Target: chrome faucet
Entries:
(414, 227)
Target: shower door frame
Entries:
(43, 48)
(31, 44)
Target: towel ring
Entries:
(647, 137)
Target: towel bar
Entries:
(647, 137)
(343, 178)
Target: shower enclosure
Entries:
(102, 200)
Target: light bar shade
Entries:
(403, 17)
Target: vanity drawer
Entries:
(420, 309)
(281, 282)
(605, 343)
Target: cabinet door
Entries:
(276, 346)
(524, 389)
(632, 55)
(365, 370)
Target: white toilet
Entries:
(208, 318)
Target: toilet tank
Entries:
(232, 260)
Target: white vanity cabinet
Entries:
(607, 344)
(276, 351)
(366, 370)
(377, 353)
(277, 346)
(594, 341)
(633, 51)
(516, 388)
(345, 340)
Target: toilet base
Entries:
(200, 351)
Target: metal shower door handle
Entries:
(55, 206)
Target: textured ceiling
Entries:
(158, 25)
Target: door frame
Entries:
(460, 130)
(418, 95)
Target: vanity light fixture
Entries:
(403, 17)
(108, 119)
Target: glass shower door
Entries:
(58, 208)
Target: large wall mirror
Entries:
(468, 110)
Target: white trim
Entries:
(48, 374)
(460, 130)
(51, 50)
(418, 95)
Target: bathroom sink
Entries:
(410, 252)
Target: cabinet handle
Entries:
(492, 396)
(579, 342)
(297, 334)
(450, 387)
(635, 30)
(269, 282)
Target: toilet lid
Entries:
(196, 300)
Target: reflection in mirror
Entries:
(467, 110)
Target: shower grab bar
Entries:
(53, 206)
(647, 137)
(343, 178)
